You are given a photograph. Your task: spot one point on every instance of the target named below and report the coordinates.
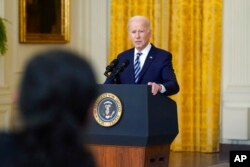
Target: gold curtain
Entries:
(191, 31)
(122, 10)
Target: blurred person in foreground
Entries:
(148, 64)
(55, 96)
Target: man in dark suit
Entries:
(147, 64)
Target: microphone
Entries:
(110, 67)
(120, 68)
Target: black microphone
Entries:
(110, 67)
(120, 68)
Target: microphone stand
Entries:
(118, 70)
(114, 75)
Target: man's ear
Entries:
(89, 115)
(15, 97)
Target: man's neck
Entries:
(148, 46)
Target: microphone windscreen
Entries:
(114, 62)
(110, 67)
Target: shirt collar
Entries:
(145, 51)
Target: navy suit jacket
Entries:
(157, 68)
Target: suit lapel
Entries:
(131, 66)
(148, 61)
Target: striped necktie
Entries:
(137, 66)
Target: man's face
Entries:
(139, 34)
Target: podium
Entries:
(143, 134)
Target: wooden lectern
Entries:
(142, 136)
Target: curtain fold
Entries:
(122, 10)
(191, 31)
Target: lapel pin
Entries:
(151, 57)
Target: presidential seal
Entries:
(107, 109)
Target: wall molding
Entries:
(5, 110)
(1, 57)
(89, 36)
(91, 33)
(235, 103)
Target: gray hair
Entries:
(140, 18)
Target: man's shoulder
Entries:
(6, 137)
(160, 52)
(8, 148)
(7, 140)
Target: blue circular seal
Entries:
(107, 109)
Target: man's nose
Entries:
(137, 35)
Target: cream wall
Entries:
(89, 36)
(235, 104)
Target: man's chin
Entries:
(138, 47)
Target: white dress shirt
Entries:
(143, 57)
